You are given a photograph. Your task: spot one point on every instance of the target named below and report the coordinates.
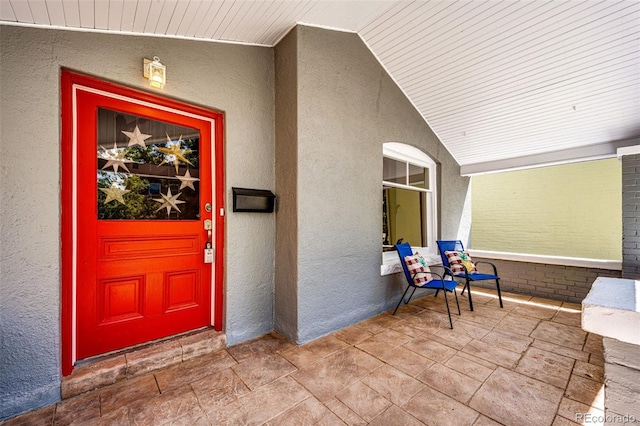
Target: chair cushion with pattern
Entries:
(459, 258)
(418, 269)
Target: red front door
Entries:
(145, 212)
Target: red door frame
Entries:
(69, 82)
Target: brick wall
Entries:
(564, 283)
(570, 210)
(631, 216)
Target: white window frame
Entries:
(411, 155)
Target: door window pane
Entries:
(147, 169)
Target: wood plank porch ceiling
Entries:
(500, 82)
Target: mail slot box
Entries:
(253, 200)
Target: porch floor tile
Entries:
(527, 364)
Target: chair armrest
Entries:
(433, 274)
(430, 273)
(447, 270)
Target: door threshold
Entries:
(105, 370)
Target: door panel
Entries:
(120, 299)
(143, 176)
(136, 247)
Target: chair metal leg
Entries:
(414, 290)
(468, 287)
(457, 304)
(448, 311)
(499, 294)
(401, 299)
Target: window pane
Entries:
(394, 171)
(418, 176)
(404, 217)
(147, 169)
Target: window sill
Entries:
(550, 260)
(392, 266)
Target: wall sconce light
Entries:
(155, 72)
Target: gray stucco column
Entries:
(335, 108)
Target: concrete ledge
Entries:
(391, 263)
(617, 352)
(121, 366)
(622, 392)
(612, 309)
(580, 262)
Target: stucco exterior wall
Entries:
(286, 264)
(347, 108)
(238, 80)
(572, 210)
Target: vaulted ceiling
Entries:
(504, 84)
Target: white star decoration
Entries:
(115, 158)
(173, 153)
(169, 201)
(137, 138)
(114, 193)
(187, 180)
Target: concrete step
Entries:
(106, 370)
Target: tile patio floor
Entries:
(527, 364)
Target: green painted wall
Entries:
(570, 210)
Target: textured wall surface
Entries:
(29, 228)
(286, 263)
(347, 108)
(569, 210)
(631, 216)
(238, 80)
(557, 282)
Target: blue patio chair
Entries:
(463, 268)
(424, 280)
